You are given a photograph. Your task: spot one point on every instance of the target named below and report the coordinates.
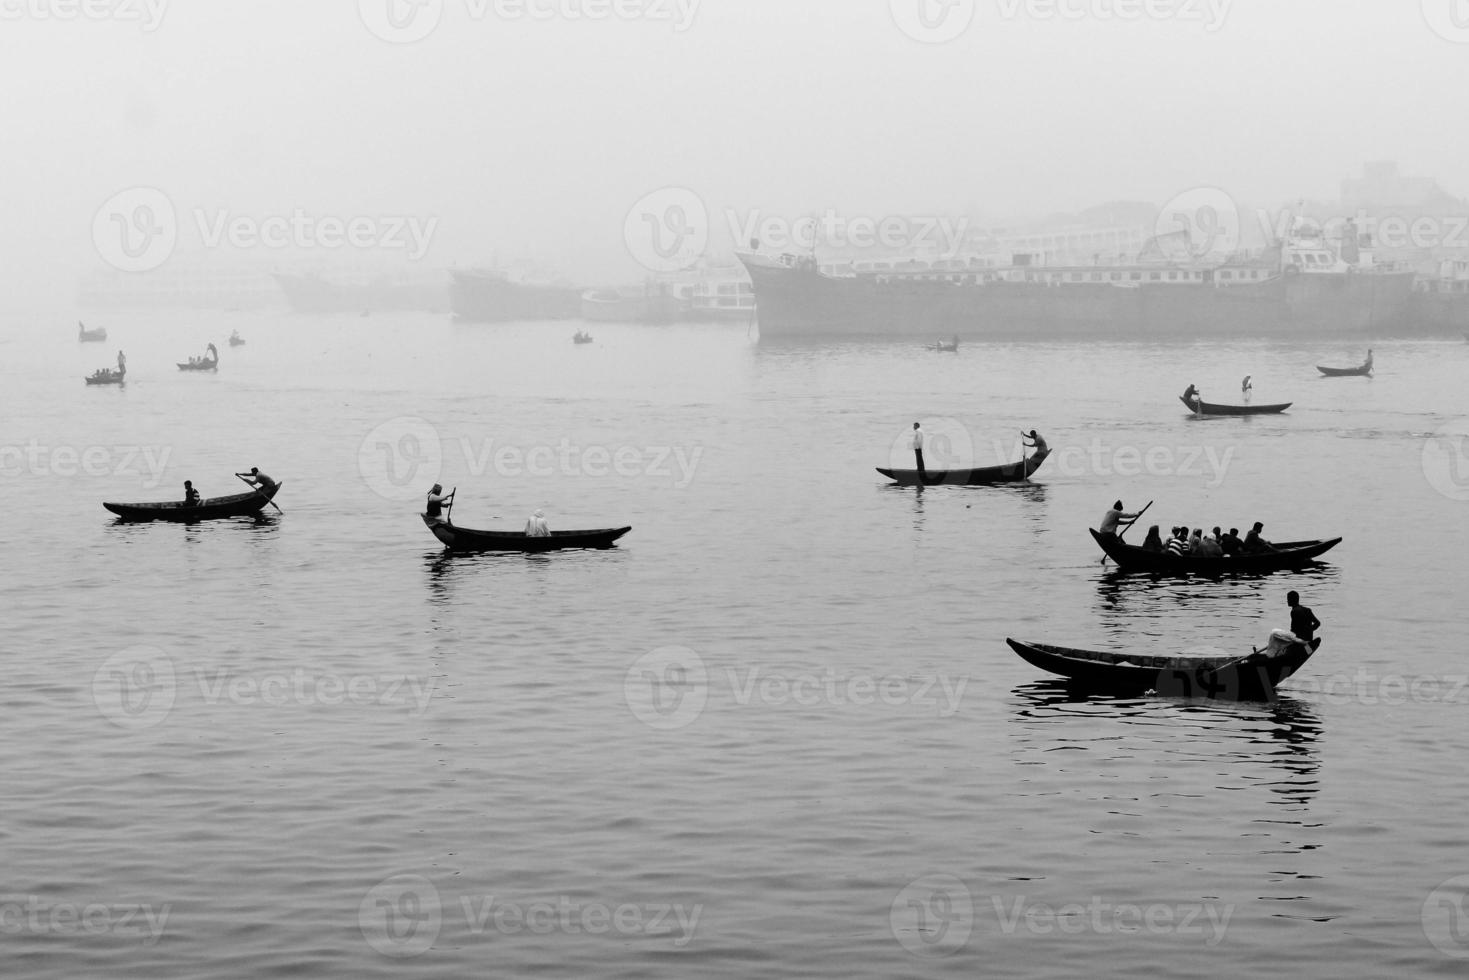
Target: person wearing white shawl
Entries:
(536, 527)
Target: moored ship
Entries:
(316, 294)
(652, 302)
(483, 296)
(1302, 287)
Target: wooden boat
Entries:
(235, 505)
(1201, 407)
(1250, 677)
(236, 340)
(90, 336)
(1357, 372)
(106, 376)
(581, 338)
(467, 539)
(979, 476)
(947, 348)
(1288, 554)
(209, 363)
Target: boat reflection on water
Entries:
(1272, 745)
(1134, 595)
(1031, 495)
(540, 570)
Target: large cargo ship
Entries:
(316, 294)
(483, 296)
(1302, 287)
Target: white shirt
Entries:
(537, 527)
(917, 438)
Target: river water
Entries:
(777, 731)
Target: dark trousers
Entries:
(919, 454)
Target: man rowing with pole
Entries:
(257, 479)
(437, 499)
(1115, 517)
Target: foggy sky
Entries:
(532, 138)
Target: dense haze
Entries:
(514, 137)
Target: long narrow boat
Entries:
(235, 505)
(1253, 676)
(1288, 554)
(106, 377)
(979, 476)
(1356, 372)
(467, 539)
(1201, 407)
(90, 336)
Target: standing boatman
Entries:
(1113, 518)
(918, 451)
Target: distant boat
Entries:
(234, 505)
(106, 376)
(1250, 677)
(977, 476)
(581, 338)
(952, 348)
(90, 336)
(1362, 371)
(210, 362)
(1200, 407)
(236, 340)
(1287, 555)
(467, 539)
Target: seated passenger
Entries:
(1153, 542)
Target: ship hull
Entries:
(314, 295)
(610, 306)
(485, 297)
(802, 302)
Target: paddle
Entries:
(449, 514)
(1129, 525)
(257, 490)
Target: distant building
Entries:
(1382, 186)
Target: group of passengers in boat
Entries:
(1215, 544)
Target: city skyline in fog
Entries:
(462, 132)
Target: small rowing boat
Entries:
(1288, 554)
(234, 505)
(467, 539)
(1250, 677)
(90, 336)
(209, 362)
(1357, 372)
(1200, 407)
(978, 476)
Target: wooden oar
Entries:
(257, 490)
(1129, 526)
(449, 514)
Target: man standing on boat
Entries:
(437, 500)
(1113, 518)
(918, 451)
(1303, 622)
(257, 479)
(1038, 443)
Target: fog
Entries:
(525, 132)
